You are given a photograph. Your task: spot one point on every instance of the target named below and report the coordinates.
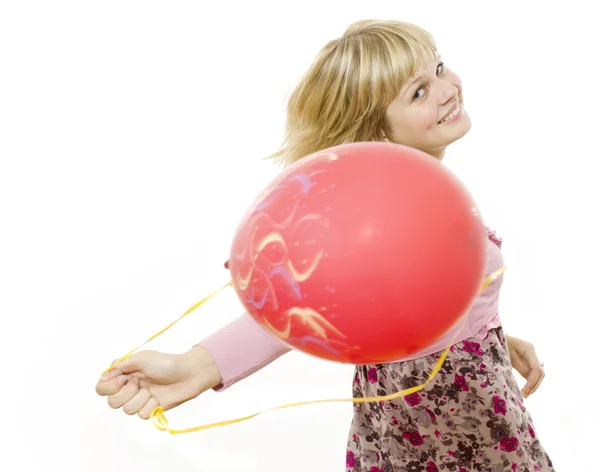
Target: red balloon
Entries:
(363, 253)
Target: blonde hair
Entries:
(344, 95)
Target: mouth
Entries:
(453, 115)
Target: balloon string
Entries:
(160, 421)
(189, 310)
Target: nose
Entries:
(447, 91)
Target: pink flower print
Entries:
(472, 347)
(509, 444)
(482, 366)
(431, 467)
(372, 375)
(460, 382)
(394, 420)
(375, 469)
(531, 431)
(494, 238)
(520, 404)
(413, 399)
(430, 413)
(499, 405)
(462, 469)
(415, 438)
(350, 459)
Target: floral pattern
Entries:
(470, 417)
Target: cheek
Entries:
(414, 129)
(427, 118)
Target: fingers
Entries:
(533, 381)
(147, 409)
(137, 402)
(110, 374)
(524, 359)
(111, 382)
(126, 393)
(536, 373)
(112, 385)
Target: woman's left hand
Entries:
(525, 361)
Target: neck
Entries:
(438, 153)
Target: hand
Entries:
(149, 379)
(525, 361)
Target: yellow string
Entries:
(160, 421)
(197, 305)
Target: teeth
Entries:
(451, 115)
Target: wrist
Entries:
(199, 360)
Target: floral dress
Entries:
(470, 417)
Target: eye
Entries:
(420, 93)
(441, 68)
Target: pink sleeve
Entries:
(241, 348)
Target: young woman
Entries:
(380, 81)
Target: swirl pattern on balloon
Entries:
(282, 248)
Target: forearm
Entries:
(242, 348)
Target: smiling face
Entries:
(382, 80)
(428, 112)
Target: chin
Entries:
(458, 130)
(467, 120)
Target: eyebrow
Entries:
(438, 59)
(415, 80)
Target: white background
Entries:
(131, 140)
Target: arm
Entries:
(242, 348)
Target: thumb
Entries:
(134, 363)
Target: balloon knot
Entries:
(159, 420)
